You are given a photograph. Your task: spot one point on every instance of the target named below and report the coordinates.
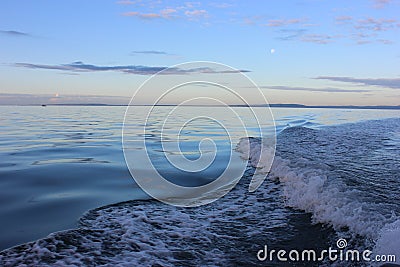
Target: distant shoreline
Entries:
(271, 105)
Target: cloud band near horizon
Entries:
(309, 89)
(14, 33)
(393, 83)
(79, 66)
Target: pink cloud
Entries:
(196, 13)
(165, 13)
(283, 22)
(381, 3)
(343, 19)
(142, 15)
(376, 24)
(128, 2)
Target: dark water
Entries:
(327, 182)
(57, 163)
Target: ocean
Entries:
(67, 197)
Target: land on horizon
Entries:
(275, 105)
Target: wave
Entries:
(313, 184)
(306, 187)
(150, 233)
(319, 172)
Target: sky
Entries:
(313, 52)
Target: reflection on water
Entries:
(58, 162)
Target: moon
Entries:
(272, 50)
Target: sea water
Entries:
(335, 175)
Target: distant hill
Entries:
(271, 105)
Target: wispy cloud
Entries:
(187, 10)
(166, 13)
(385, 41)
(349, 27)
(378, 25)
(129, 69)
(56, 98)
(142, 15)
(319, 38)
(128, 2)
(367, 30)
(197, 13)
(253, 20)
(378, 4)
(343, 19)
(284, 22)
(150, 52)
(393, 83)
(15, 33)
(221, 5)
(362, 38)
(291, 34)
(360, 31)
(191, 4)
(300, 35)
(309, 89)
(82, 67)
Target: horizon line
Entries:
(273, 105)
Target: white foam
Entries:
(388, 242)
(147, 233)
(306, 187)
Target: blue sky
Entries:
(306, 51)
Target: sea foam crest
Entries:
(308, 187)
